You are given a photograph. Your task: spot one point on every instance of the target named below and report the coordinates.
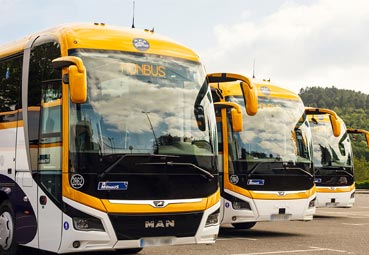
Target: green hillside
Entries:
(353, 108)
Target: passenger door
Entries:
(44, 133)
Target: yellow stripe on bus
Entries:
(304, 194)
(270, 195)
(202, 205)
(46, 145)
(11, 124)
(335, 189)
(80, 197)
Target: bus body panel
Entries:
(97, 240)
(50, 223)
(267, 210)
(29, 187)
(8, 148)
(339, 196)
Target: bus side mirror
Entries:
(76, 77)
(249, 91)
(236, 114)
(336, 124)
(360, 131)
(236, 120)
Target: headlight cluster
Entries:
(213, 219)
(88, 224)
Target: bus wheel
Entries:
(8, 244)
(128, 251)
(243, 225)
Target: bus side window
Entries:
(10, 103)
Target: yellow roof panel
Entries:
(101, 36)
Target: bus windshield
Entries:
(279, 132)
(142, 104)
(330, 151)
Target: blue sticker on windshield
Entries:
(113, 185)
(141, 44)
(318, 180)
(255, 182)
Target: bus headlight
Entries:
(312, 203)
(239, 204)
(213, 219)
(352, 195)
(87, 224)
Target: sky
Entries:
(295, 43)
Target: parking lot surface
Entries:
(333, 231)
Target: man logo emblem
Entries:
(141, 44)
(281, 193)
(159, 203)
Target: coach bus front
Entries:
(333, 158)
(116, 143)
(268, 174)
(144, 145)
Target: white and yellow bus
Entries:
(107, 142)
(266, 161)
(333, 158)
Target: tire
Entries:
(244, 225)
(8, 245)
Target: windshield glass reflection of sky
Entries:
(276, 133)
(328, 149)
(136, 102)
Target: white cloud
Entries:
(299, 45)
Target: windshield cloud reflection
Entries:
(277, 132)
(328, 149)
(135, 100)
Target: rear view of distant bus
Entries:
(333, 158)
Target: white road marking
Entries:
(356, 224)
(234, 238)
(312, 249)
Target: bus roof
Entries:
(265, 89)
(101, 36)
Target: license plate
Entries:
(280, 217)
(156, 241)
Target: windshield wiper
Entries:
(285, 168)
(299, 169)
(206, 174)
(107, 170)
(153, 131)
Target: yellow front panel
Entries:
(335, 189)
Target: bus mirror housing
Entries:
(336, 125)
(360, 131)
(249, 91)
(236, 114)
(76, 78)
(236, 120)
